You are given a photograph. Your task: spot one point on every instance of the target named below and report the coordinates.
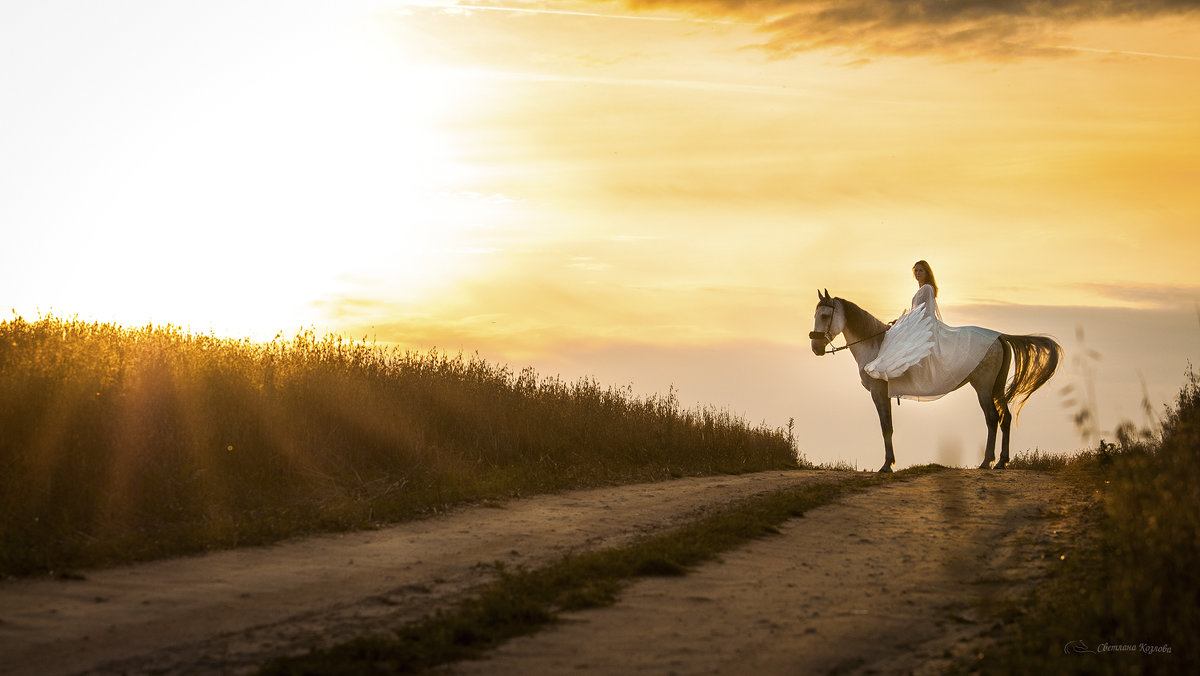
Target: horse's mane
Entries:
(860, 322)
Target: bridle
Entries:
(824, 335)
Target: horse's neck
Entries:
(861, 327)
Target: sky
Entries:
(648, 192)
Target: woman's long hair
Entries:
(929, 278)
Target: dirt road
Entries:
(888, 579)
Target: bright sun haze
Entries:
(647, 192)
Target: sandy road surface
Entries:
(228, 612)
(894, 580)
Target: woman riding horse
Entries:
(920, 357)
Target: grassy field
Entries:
(1126, 597)
(124, 444)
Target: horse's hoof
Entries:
(1001, 465)
(987, 464)
(886, 469)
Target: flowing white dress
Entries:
(922, 358)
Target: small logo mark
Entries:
(1076, 648)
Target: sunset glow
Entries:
(642, 191)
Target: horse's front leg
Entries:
(883, 406)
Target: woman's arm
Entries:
(926, 295)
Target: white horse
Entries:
(1035, 358)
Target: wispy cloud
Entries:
(696, 84)
(992, 28)
(1147, 295)
(1167, 297)
(1125, 52)
(513, 8)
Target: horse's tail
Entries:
(1035, 359)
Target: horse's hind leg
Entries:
(1006, 418)
(992, 417)
(988, 380)
(1005, 428)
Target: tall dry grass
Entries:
(1124, 596)
(120, 444)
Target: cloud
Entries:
(959, 28)
(1149, 296)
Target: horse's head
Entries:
(828, 321)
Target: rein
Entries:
(833, 349)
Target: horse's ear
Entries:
(827, 295)
(819, 296)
